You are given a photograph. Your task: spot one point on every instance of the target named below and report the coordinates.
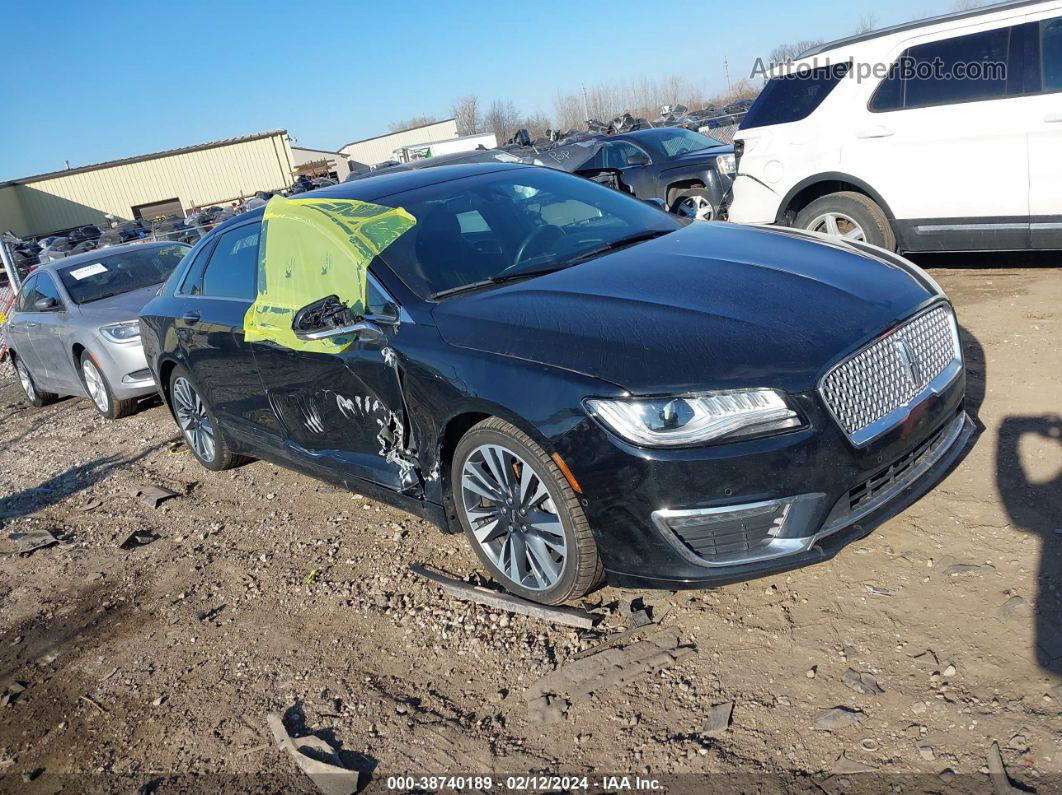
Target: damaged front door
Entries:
(344, 410)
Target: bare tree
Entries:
(536, 124)
(568, 111)
(502, 119)
(409, 124)
(466, 112)
(968, 5)
(867, 23)
(790, 52)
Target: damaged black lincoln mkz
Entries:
(589, 388)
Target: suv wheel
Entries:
(522, 518)
(693, 203)
(848, 215)
(100, 391)
(202, 432)
(33, 395)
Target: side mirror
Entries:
(329, 318)
(637, 160)
(657, 203)
(45, 304)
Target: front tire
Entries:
(199, 425)
(693, 203)
(29, 387)
(521, 516)
(848, 215)
(99, 391)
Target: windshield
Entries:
(678, 141)
(510, 224)
(113, 274)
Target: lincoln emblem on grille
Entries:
(908, 360)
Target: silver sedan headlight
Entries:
(693, 420)
(121, 332)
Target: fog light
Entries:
(139, 375)
(735, 534)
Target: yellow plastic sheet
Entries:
(311, 249)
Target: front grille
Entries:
(891, 371)
(895, 475)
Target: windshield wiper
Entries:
(498, 279)
(622, 242)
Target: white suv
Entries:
(938, 135)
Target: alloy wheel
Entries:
(513, 517)
(696, 207)
(838, 225)
(94, 383)
(193, 419)
(25, 380)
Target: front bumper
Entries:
(125, 368)
(752, 202)
(843, 492)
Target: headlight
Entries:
(725, 164)
(122, 332)
(685, 421)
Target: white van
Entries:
(938, 135)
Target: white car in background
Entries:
(954, 143)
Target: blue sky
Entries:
(87, 82)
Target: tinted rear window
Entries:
(794, 96)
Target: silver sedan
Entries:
(74, 329)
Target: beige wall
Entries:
(300, 155)
(201, 177)
(377, 150)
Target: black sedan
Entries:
(688, 171)
(589, 388)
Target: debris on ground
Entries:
(316, 758)
(846, 766)
(138, 538)
(12, 692)
(616, 665)
(718, 720)
(839, 718)
(998, 773)
(875, 590)
(569, 616)
(152, 495)
(29, 541)
(862, 683)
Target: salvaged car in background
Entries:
(74, 331)
(588, 387)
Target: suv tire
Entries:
(844, 211)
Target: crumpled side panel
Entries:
(313, 248)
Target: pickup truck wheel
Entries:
(35, 396)
(521, 516)
(693, 203)
(848, 215)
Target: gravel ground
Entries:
(153, 668)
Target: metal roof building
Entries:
(147, 185)
(379, 149)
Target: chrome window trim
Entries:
(944, 379)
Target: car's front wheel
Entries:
(693, 203)
(848, 215)
(29, 387)
(202, 433)
(521, 516)
(100, 391)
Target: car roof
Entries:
(100, 253)
(915, 25)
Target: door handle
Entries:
(190, 317)
(1052, 118)
(875, 132)
(31, 324)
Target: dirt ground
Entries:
(152, 669)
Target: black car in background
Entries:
(589, 388)
(688, 171)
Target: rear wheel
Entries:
(202, 433)
(100, 391)
(693, 203)
(29, 387)
(848, 215)
(521, 516)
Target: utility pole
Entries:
(726, 67)
(586, 109)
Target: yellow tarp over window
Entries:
(311, 249)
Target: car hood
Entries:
(710, 306)
(117, 308)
